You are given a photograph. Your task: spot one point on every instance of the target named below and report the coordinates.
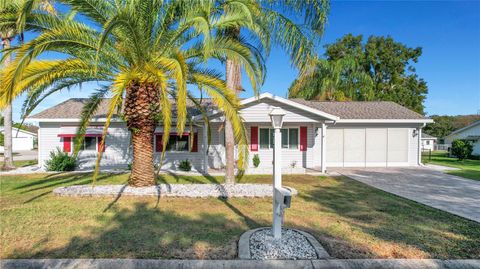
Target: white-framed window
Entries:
(289, 138)
(175, 143)
(89, 143)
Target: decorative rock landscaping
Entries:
(172, 190)
(259, 244)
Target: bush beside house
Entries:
(462, 149)
(60, 161)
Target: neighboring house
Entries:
(21, 139)
(470, 132)
(316, 135)
(428, 142)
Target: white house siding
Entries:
(118, 151)
(22, 142)
(428, 144)
(374, 145)
(472, 131)
(291, 158)
(173, 159)
(258, 112)
(216, 150)
(117, 146)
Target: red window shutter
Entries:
(101, 147)
(254, 138)
(67, 144)
(303, 138)
(158, 143)
(195, 143)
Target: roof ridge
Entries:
(350, 101)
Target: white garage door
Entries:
(367, 147)
(354, 147)
(376, 147)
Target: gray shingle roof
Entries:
(362, 109)
(71, 109)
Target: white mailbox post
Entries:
(281, 196)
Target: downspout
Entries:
(420, 145)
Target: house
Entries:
(315, 135)
(428, 142)
(21, 139)
(470, 132)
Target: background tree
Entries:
(444, 125)
(339, 80)
(295, 26)
(16, 14)
(388, 63)
(145, 52)
(441, 127)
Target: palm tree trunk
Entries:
(234, 82)
(7, 117)
(143, 173)
(141, 107)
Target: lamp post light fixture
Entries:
(281, 196)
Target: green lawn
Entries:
(24, 163)
(468, 168)
(350, 219)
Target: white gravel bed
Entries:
(171, 190)
(292, 246)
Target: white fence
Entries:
(442, 146)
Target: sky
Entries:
(448, 32)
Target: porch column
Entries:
(419, 145)
(324, 147)
(205, 147)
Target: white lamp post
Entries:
(276, 116)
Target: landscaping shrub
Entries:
(185, 165)
(60, 161)
(256, 160)
(462, 149)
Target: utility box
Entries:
(283, 197)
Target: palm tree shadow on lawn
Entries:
(397, 221)
(60, 179)
(149, 232)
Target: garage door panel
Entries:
(397, 146)
(376, 147)
(354, 147)
(335, 147)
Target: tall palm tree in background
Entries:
(16, 13)
(146, 52)
(295, 26)
(340, 80)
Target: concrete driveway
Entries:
(424, 185)
(25, 155)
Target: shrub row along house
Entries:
(316, 135)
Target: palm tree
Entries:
(339, 80)
(146, 52)
(296, 26)
(17, 12)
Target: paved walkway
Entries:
(237, 264)
(424, 185)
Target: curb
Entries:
(237, 264)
